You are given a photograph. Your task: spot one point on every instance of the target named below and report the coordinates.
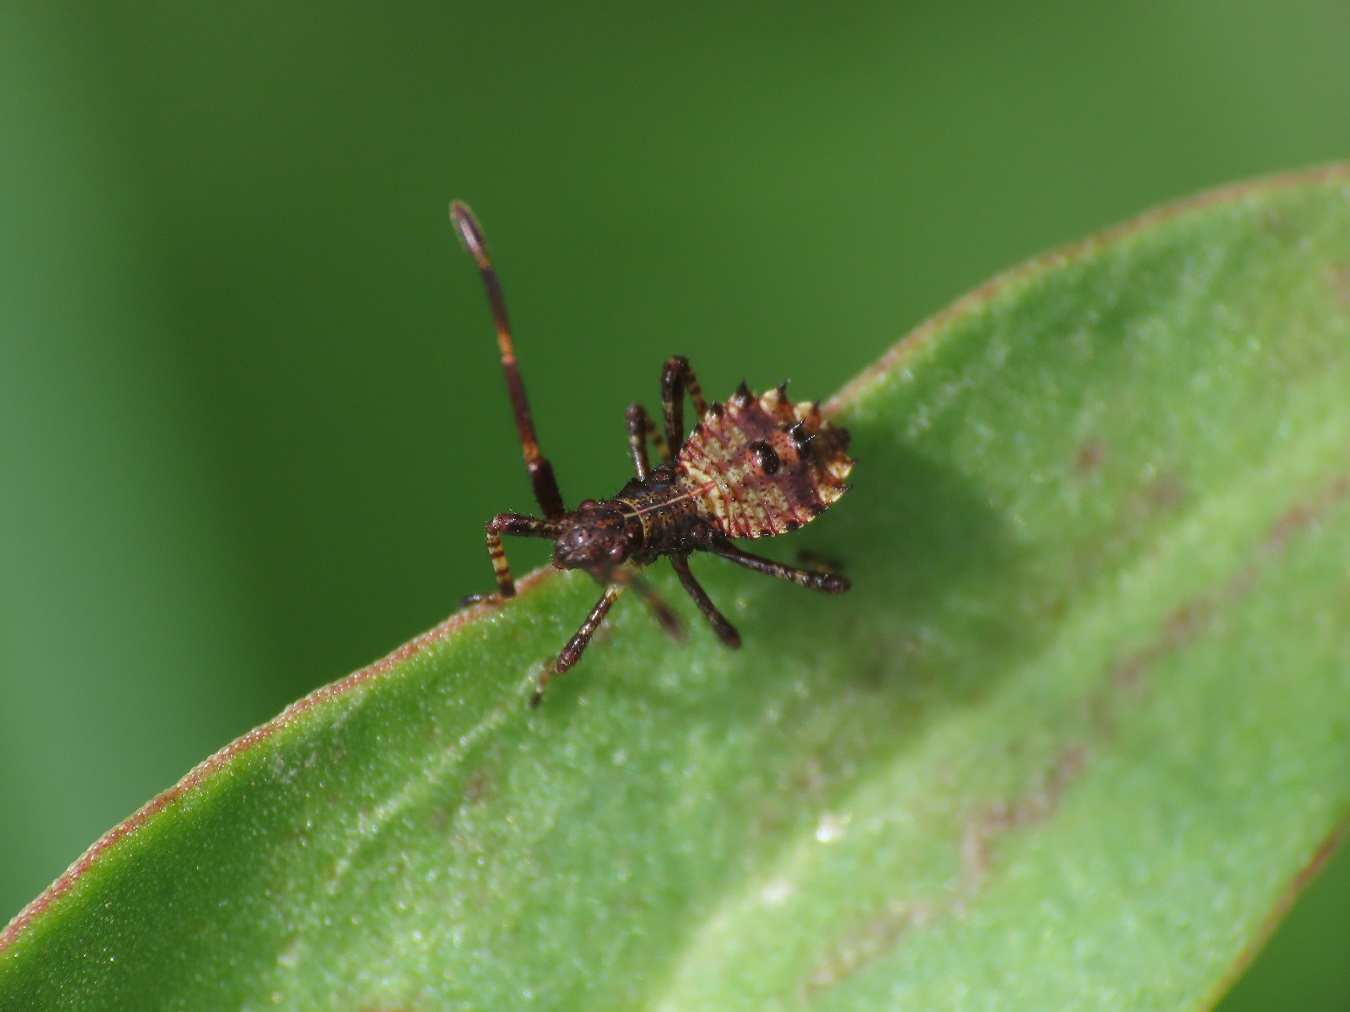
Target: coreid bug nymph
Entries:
(751, 468)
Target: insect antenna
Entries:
(541, 471)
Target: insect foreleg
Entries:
(572, 652)
(516, 525)
(677, 379)
(640, 429)
(726, 632)
(830, 583)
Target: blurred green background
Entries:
(251, 417)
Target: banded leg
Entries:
(726, 632)
(640, 429)
(516, 525)
(676, 380)
(572, 652)
(541, 471)
(830, 583)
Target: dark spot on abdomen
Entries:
(765, 456)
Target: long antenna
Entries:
(541, 471)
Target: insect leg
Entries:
(818, 562)
(677, 379)
(515, 525)
(830, 583)
(640, 429)
(670, 622)
(572, 652)
(726, 632)
(541, 471)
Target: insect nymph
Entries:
(752, 467)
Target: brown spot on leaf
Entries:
(1338, 280)
(1192, 617)
(1182, 624)
(1166, 492)
(996, 820)
(877, 935)
(1301, 516)
(1090, 457)
(479, 788)
(1274, 221)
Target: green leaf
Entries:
(1074, 739)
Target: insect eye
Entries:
(765, 456)
(618, 553)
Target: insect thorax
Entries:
(751, 468)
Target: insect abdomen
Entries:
(764, 466)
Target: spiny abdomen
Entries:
(764, 466)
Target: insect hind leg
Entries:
(827, 582)
(677, 379)
(669, 621)
(640, 429)
(726, 632)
